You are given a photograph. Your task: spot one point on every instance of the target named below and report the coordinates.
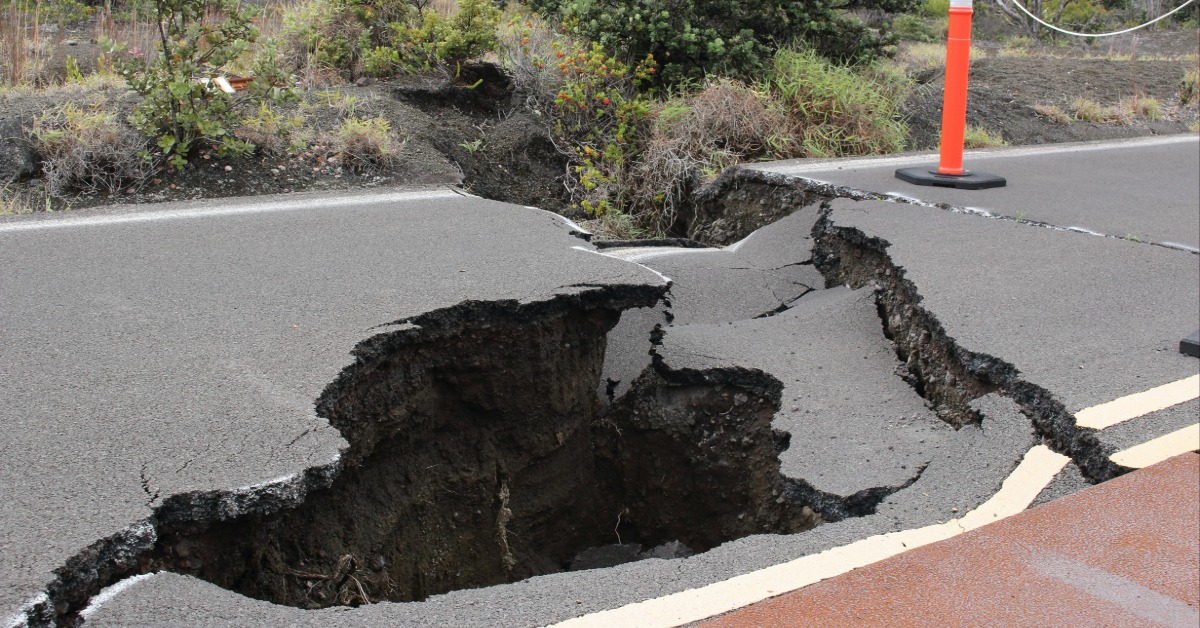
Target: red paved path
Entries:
(1123, 553)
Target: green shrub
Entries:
(1083, 15)
(67, 12)
(272, 82)
(323, 34)
(472, 31)
(88, 150)
(935, 8)
(382, 39)
(381, 61)
(599, 120)
(694, 38)
(177, 108)
(837, 111)
(910, 27)
(528, 49)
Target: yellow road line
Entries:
(1140, 404)
(1020, 488)
(1159, 449)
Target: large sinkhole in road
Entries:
(481, 454)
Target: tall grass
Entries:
(21, 50)
(836, 111)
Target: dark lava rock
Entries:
(18, 159)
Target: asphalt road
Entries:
(1143, 188)
(149, 352)
(152, 353)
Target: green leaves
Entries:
(692, 39)
(178, 106)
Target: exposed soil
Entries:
(1004, 90)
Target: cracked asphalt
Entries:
(161, 351)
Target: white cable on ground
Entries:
(1121, 32)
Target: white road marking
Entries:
(21, 618)
(1159, 449)
(640, 253)
(1032, 475)
(68, 220)
(110, 592)
(665, 278)
(1139, 404)
(856, 163)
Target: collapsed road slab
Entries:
(841, 397)
(1142, 189)
(759, 275)
(170, 360)
(1062, 321)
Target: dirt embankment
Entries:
(1004, 91)
(487, 140)
(482, 138)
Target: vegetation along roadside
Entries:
(610, 112)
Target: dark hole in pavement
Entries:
(480, 454)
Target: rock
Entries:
(18, 159)
(228, 168)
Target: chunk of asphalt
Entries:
(164, 366)
(784, 242)
(628, 350)
(968, 470)
(855, 426)
(709, 285)
(1088, 319)
(760, 275)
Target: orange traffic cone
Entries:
(950, 172)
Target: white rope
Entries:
(1121, 32)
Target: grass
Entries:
(22, 49)
(1087, 110)
(15, 200)
(979, 137)
(1144, 106)
(1054, 113)
(367, 145)
(920, 57)
(840, 114)
(1189, 88)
